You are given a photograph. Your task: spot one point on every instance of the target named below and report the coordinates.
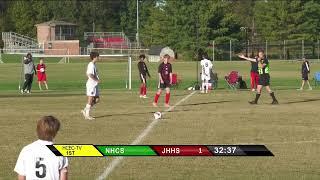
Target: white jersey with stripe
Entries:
(206, 66)
(37, 161)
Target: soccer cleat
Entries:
(145, 96)
(253, 102)
(275, 102)
(300, 89)
(28, 92)
(202, 92)
(310, 88)
(166, 105)
(155, 104)
(22, 92)
(253, 90)
(141, 96)
(90, 118)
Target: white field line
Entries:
(116, 161)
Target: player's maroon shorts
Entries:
(42, 77)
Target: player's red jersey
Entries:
(165, 70)
(41, 69)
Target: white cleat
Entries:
(90, 118)
(310, 88)
(22, 92)
(145, 96)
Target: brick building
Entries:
(58, 38)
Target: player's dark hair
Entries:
(94, 55)
(205, 55)
(261, 50)
(29, 55)
(47, 128)
(142, 56)
(166, 56)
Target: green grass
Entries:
(290, 130)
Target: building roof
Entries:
(56, 23)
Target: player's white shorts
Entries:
(205, 77)
(92, 90)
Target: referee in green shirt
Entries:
(264, 77)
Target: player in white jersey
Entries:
(36, 161)
(92, 85)
(206, 66)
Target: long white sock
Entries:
(87, 109)
(203, 86)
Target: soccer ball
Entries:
(41, 69)
(157, 115)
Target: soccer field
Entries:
(290, 130)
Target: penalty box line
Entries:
(117, 160)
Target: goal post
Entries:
(104, 58)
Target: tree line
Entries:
(184, 25)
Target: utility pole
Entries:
(137, 35)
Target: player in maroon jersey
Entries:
(143, 72)
(165, 78)
(41, 72)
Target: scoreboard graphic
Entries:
(89, 150)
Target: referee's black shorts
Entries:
(264, 79)
(305, 76)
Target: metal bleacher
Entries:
(117, 40)
(17, 43)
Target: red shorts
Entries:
(42, 77)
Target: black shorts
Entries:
(144, 77)
(264, 79)
(165, 85)
(305, 76)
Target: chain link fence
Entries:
(275, 50)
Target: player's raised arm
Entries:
(246, 58)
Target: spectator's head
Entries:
(47, 128)
(142, 57)
(41, 60)
(94, 56)
(261, 54)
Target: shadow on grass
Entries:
(136, 113)
(301, 101)
(212, 102)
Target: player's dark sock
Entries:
(255, 101)
(274, 100)
(167, 98)
(156, 98)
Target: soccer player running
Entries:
(264, 77)
(92, 85)
(143, 72)
(165, 80)
(305, 70)
(206, 67)
(36, 161)
(42, 77)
